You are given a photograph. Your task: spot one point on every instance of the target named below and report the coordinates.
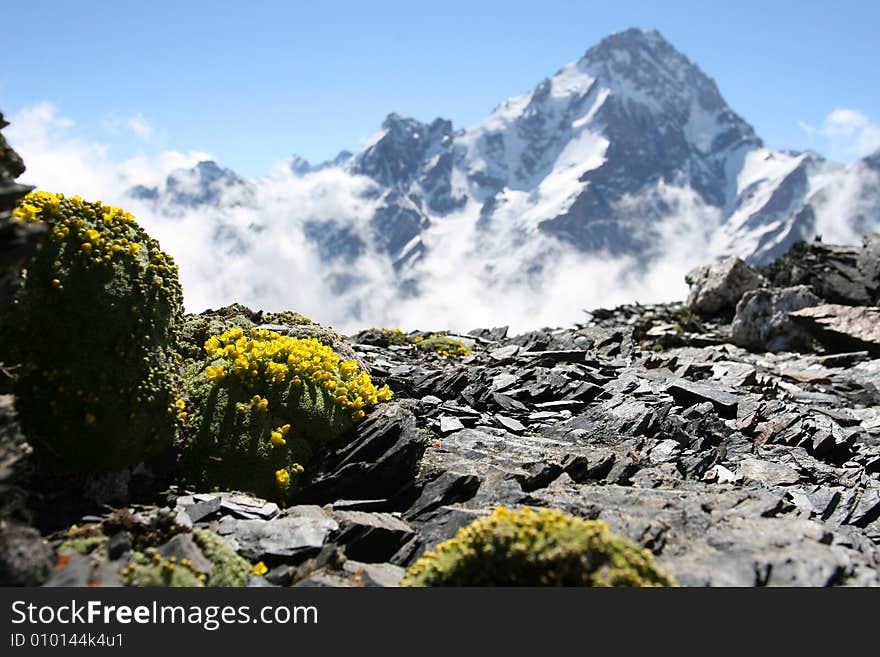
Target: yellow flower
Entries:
(278, 439)
(89, 419)
(282, 477)
(86, 247)
(26, 212)
(180, 403)
(93, 235)
(215, 372)
(133, 248)
(259, 569)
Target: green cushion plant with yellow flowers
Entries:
(262, 404)
(94, 330)
(536, 548)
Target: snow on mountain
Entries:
(624, 167)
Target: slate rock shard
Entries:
(842, 328)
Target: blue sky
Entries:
(252, 82)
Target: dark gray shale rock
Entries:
(847, 275)
(842, 328)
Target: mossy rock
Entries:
(536, 548)
(442, 345)
(83, 545)
(229, 569)
(149, 568)
(95, 330)
(394, 336)
(198, 328)
(286, 317)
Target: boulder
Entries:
(715, 289)
(762, 321)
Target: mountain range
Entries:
(629, 154)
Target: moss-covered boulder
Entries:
(262, 403)
(442, 345)
(150, 569)
(226, 569)
(94, 329)
(536, 548)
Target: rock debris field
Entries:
(736, 436)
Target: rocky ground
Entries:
(736, 436)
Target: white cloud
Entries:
(844, 135)
(58, 159)
(136, 125)
(139, 126)
(466, 281)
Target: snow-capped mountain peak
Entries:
(624, 153)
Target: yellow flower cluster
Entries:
(263, 355)
(443, 346)
(278, 435)
(99, 232)
(536, 548)
(282, 476)
(459, 351)
(180, 407)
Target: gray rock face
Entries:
(182, 547)
(379, 461)
(716, 289)
(842, 328)
(25, 557)
(18, 241)
(848, 275)
(762, 321)
(204, 184)
(296, 537)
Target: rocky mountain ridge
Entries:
(617, 154)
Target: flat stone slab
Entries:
(842, 328)
(688, 393)
(449, 424)
(281, 537)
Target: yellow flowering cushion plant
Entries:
(263, 403)
(543, 547)
(95, 328)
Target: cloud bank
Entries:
(252, 248)
(845, 135)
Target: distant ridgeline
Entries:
(623, 152)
